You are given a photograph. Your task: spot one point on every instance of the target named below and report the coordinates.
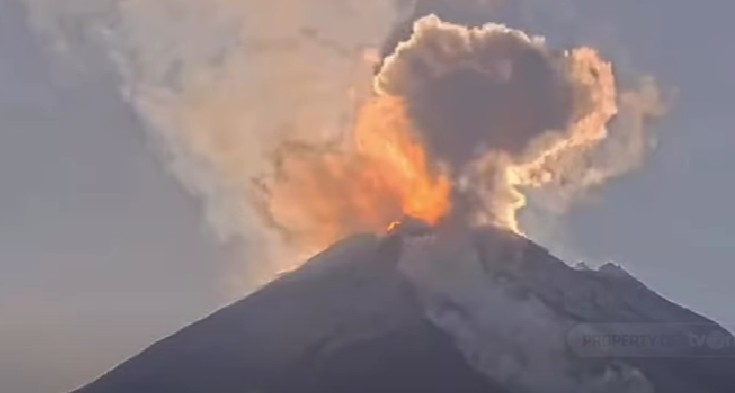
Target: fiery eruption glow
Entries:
(461, 121)
(322, 193)
(397, 158)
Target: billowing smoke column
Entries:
(296, 127)
(473, 90)
(461, 120)
(500, 108)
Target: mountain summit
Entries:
(439, 310)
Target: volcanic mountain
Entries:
(439, 310)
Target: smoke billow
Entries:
(471, 90)
(500, 100)
(300, 122)
(320, 193)
(490, 109)
(221, 84)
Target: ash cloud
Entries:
(473, 13)
(631, 106)
(502, 111)
(228, 88)
(471, 90)
(495, 111)
(221, 84)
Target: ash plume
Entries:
(470, 90)
(492, 110)
(297, 128)
(221, 84)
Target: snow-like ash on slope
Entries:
(500, 324)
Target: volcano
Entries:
(439, 310)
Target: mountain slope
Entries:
(455, 310)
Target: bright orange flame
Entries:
(325, 195)
(384, 136)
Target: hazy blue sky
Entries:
(101, 251)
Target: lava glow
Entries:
(384, 136)
(383, 175)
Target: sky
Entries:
(103, 250)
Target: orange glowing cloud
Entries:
(460, 123)
(319, 194)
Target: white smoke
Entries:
(221, 82)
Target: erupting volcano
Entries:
(426, 282)
(461, 120)
(436, 310)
